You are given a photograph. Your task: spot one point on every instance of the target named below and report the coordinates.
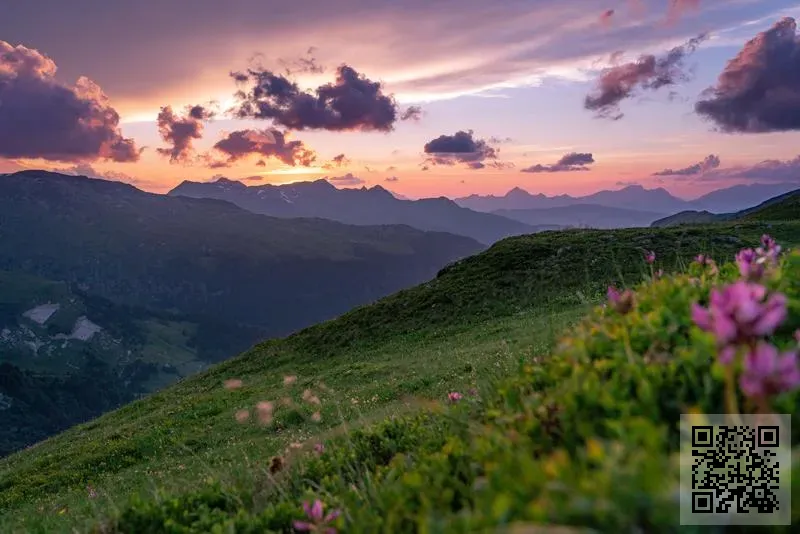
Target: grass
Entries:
(578, 433)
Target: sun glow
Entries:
(294, 170)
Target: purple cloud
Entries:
(41, 117)
(711, 162)
(269, 143)
(181, 131)
(647, 73)
(759, 89)
(351, 102)
(574, 161)
(462, 147)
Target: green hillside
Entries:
(780, 208)
(784, 208)
(67, 357)
(580, 432)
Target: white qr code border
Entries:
(735, 488)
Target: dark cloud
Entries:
(771, 170)
(391, 168)
(462, 147)
(261, 163)
(42, 118)
(411, 113)
(574, 161)
(336, 162)
(711, 162)
(647, 73)
(254, 178)
(392, 179)
(181, 130)
(269, 143)
(352, 102)
(347, 179)
(759, 89)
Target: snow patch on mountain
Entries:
(42, 313)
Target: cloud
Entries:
(347, 179)
(254, 178)
(647, 73)
(759, 89)
(710, 162)
(574, 161)
(352, 102)
(336, 162)
(392, 179)
(623, 183)
(461, 147)
(85, 169)
(303, 65)
(181, 131)
(42, 118)
(268, 143)
(411, 113)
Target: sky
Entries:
(423, 97)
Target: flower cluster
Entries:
(741, 316)
(755, 264)
(316, 520)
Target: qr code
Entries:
(735, 470)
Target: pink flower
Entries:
(319, 448)
(650, 257)
(317, 522)
(701, 259)
(767, 373)
(739, 313)
(454, 396)
(751, 266)
(232, 383)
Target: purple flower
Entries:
(650, 257)
(701, 259)
(454, 396)
(740, 313)
(768, 373)
(317, 522)
(751, 265)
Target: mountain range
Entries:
(364, 206)
(108, 292)
(636, 197)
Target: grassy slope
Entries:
(473, 323)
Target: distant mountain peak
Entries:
(518, 192)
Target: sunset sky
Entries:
(512, 75)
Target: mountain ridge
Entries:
(357, 206)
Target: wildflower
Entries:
(650, 257)
(232, 383)
(621, 301)
(768, 373)
(264, 410)
(317, 522)
(769, 248)
(310, 398)
(739, 313)
(473, 392)
(454, 396)
(751, 266)
(289, 380)
(242, 415)
(316, 417)
(319, 448)
(296, 445)
(701, 259)
(91, 492)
